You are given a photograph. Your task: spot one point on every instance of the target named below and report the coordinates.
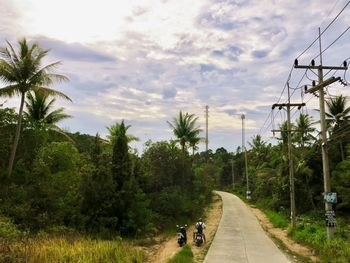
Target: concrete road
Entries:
(240, 238)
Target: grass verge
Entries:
(184, 256)
(312, 232)
(62, 249)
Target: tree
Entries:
(121, 166)
(338, 119)
(119, 129)
(39, 112)
(304, 130)
(22, 71)
(185, 129)
(194, 141)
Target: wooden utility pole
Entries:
(248, 193)
(325, 163)
(290, 157)
(233, 175)
(206, 129)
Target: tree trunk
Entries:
(18, 131)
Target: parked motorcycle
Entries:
(199, 239)
(181, 235)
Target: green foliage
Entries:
(186, 130)
(341, 182)
(8, 230)
(121, 165)
(312, 232)
(51, 193)
(277, 219)
(184, 256)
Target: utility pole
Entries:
(206, 130)
(248, 193)
(330, 215)
(290, 158)
(233, 176)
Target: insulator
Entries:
(312, 62)
(295, 62)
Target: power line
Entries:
(334, 19)
(333, 42)
(305, 73)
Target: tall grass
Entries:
(312, 232)
(184, 256)
(277, 219)
(61, 249)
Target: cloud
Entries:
(260, 53)
(169, 93)
(74, 51)
(149, 60)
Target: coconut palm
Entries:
(259, 149)
(185, 129)
(39, 112)
(193, 142)
(22, 71)
(119, 129)
(338, 119)
(304, 130)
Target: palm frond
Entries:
(51, 92)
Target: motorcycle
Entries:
(181, 235)
(199, 239)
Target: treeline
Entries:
(51, 179)
(268, 168)
(96, 185)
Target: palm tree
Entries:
(304, 130)
(193, 142)
(119, 129)
(185, 129)
(22, 71)
(259, 149)
(338, 119)
(38, 112)
(38, 109)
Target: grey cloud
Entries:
(169, 93)
(73, 51)
(232, 53)
(221, 22)
(232, 112)
(260, 53)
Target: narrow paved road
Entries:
(240, 238)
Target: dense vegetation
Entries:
(57, 182)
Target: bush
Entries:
(8, 230)
(311, 232)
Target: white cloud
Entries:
(144, 61)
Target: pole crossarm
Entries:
(323, 84)
(280, 105)
(321, 67)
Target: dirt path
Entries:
(282, 236)
(164, 250)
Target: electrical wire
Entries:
(332, 42)
(305, 73)
(334, 19)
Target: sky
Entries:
(145, 61)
